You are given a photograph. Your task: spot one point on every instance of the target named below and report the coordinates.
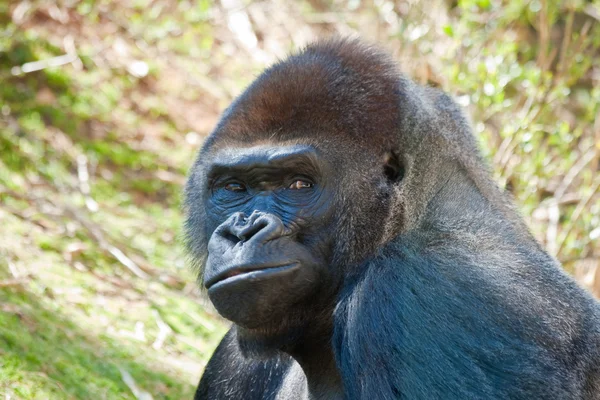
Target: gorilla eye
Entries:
(235, 187)
(301, 184)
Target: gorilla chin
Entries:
(254, 295)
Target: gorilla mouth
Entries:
(248, 272)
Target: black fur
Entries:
(440, 290)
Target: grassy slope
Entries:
(75, 322)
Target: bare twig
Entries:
(130, 382)
(577, 47)
(553, 208)
(164, 330)
(593, 11)
(544, 35)
(566, 41)
(574, 171)
(84, 182)
(12, 282)
(98, 235)
(18, 15)
(95, 232)
(70, 57)
(577, 213)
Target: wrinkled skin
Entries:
(343, 219)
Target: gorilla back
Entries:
(342, 218)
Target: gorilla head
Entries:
(300, 180)
(342, 215)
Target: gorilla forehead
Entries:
(338, 88)
(261, 158)
(262, 155)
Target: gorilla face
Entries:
(281, 223)
(269, 210)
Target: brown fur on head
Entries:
(332, 89)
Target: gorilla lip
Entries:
(248, 272)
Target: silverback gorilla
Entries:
(342, 218)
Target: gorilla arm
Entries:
(230, 375)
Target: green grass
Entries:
(67, 333)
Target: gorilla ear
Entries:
(393, 168)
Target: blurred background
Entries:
(103, 105)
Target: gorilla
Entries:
(343, 219)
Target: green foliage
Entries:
(537, 96)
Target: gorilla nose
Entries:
(259, 226)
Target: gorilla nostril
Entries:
(239, 218)
(231, 237)
(252, 229)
